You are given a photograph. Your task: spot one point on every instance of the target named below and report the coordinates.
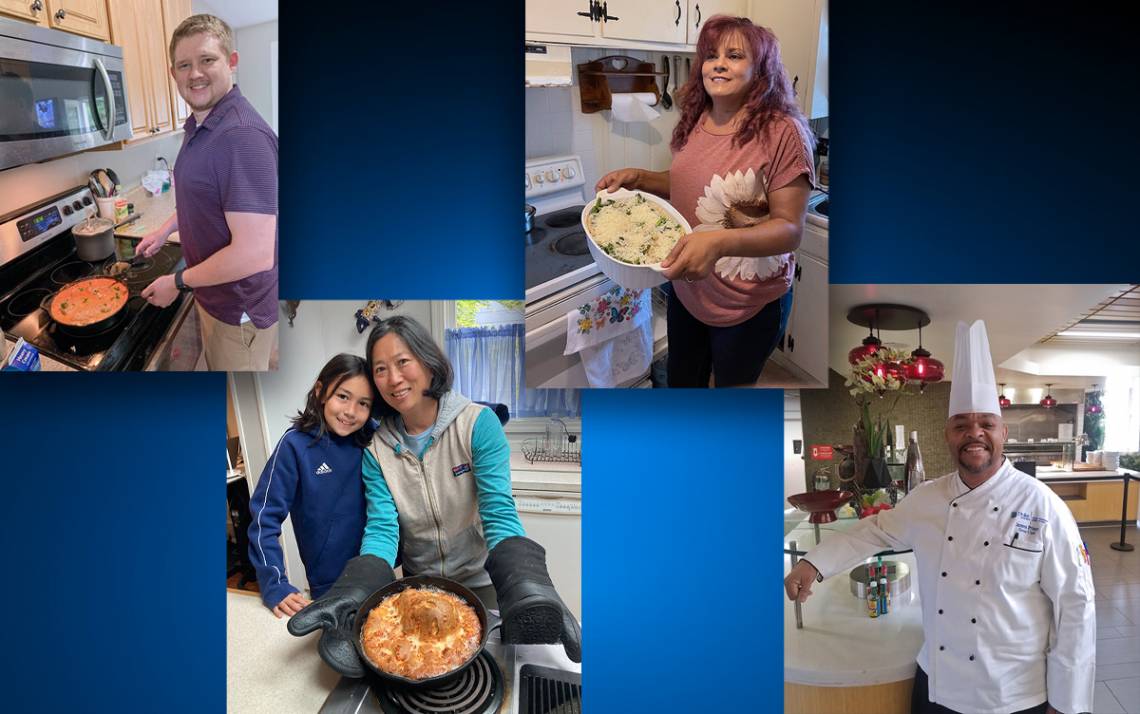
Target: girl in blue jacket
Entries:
(314, 475)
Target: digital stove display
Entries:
(38, 224)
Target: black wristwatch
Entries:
(182, 287)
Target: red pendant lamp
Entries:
(922, 367)
(1003, 401)
(1048, 402)
(870, 346)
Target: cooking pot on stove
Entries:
(419, 581)
(94, 239)
(528, 217)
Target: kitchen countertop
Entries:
(841, 646)
(544, 475)
(156, 210)
(266, 667)
(1054, 474)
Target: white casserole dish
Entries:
(628, 275)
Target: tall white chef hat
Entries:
(973, 388)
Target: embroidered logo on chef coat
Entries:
(323, 469)
(1083, 552)
(460, 470)
(1027, 532)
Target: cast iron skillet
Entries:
(97, 326)
(419, 581)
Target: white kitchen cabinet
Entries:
(559, 17)
(631, 24)
(645, 20)
(801, 27)
(805, 343)
(702, 10)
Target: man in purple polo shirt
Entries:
(225, 183)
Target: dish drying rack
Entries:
(536, 450)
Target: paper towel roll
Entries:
(635, 108)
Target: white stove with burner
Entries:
(560, 273)
(505, 679)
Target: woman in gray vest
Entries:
(438, 486)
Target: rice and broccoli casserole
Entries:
(633, 230)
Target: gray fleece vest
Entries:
(436, 498)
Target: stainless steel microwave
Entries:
(59, 93)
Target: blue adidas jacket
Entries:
(317, 483)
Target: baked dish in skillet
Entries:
(88, 301)
(420, 633)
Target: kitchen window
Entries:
(484, 341)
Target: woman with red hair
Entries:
(741, 175)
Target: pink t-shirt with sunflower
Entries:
(716, 185)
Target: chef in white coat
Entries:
(1004, 578)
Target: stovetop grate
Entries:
(543, 690)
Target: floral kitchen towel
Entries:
(613, 335)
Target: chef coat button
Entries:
(987, 544)
(943, 573)
(974, 620)
(939, 612)
(971, 658)
(995, 509)
(977, 582)
(955, 505)
(949, 537)
(941, 647)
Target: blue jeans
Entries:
(735, 355)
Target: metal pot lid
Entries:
(93, 226)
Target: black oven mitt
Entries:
(532, 612)
(335, 612)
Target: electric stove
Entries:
(39, 257)
(503, 679)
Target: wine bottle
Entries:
(915, 474)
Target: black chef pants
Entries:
(920, 699)
(734, 355)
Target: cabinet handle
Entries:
(606, 16)
(698, 23)
(591, 13)
(37, 6)
(799, 269)
(60, 14)
(677, 22)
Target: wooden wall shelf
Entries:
(599, 80)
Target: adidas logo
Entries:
(323, 469)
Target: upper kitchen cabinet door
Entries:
(646, 20)
(32, 10)
(148, 14)
(559, 17)
(127, 33)
(801, 28)
(82, 17)
(173, 13)
(702, 10)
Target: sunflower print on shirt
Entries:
(738, 200)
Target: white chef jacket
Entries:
(1006, 588)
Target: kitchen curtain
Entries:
(488, 364)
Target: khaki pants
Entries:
(236, 348)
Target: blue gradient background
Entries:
(969, 149)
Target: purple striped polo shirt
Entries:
(229, 163)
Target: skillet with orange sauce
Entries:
(89, 303)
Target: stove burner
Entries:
(478, 690)
(26, 303)
(71, 271)
(573, 244)
(565, 218)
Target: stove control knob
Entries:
(67, 210)
(77, 206)
(527, 181)
(538, 178)
(551, 176)
(86, 200)
(568, 172)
